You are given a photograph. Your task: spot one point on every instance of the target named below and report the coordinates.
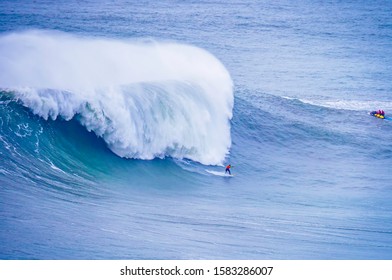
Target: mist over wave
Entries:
(146, 99)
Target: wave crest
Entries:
(146, 100)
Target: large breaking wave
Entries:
(146, 99)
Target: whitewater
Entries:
(117, 119)
(146, 100)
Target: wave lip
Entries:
(145, 99)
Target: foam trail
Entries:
(145, 99)
(352, 105)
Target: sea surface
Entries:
(117, 119)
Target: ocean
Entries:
(117, 119)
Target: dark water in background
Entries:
(312, 168)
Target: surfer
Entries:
(228, 169)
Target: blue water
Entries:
(116, 118)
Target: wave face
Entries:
(146, 99)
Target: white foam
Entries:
(146, 99)
(351, 105)
(219, 173)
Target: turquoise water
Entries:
(113, 114)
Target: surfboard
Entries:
(218, 173)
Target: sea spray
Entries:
(146, 99)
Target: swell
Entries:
(61, 158)
(63, 155)
(48, 154)
(270, 124)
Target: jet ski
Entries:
(377, 115)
